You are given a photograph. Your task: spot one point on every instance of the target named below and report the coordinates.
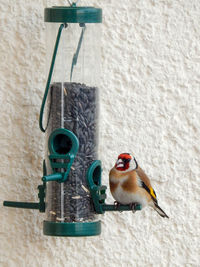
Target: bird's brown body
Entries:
(129, 184)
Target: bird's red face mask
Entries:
(123, 162)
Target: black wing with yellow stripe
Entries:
(151, 192)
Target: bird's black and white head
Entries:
(126, 162)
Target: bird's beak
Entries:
(119, 163)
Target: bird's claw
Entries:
(133, 206)
(117, 205)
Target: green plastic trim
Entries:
(41, 196)
(68, 155)
(42, 189)
(52, 177)
(94, 183)
(49, 79)
(31, 205)
(61, 131)
(23, 205)
(107, 207)
(72, 229)
(73, 14)
(44, 168)
(94, 178)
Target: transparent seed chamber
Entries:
(72, 104)
(71, 193)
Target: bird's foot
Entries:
(117, 205)
(133, 206)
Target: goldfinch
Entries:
(129, 184)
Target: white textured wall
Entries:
(150, 105)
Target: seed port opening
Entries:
(97, 175)
(62, 144)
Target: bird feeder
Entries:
(71, 194)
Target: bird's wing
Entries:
(146, 184)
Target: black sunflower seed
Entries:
(77, 111)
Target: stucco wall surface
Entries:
(150, 106)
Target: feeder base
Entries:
(72, 229)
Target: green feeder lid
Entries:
(73, 14)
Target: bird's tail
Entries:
(160, 211)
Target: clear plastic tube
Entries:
(73, 105)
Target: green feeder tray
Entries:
(72, 229)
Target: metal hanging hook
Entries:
(73, 3)
(70, 3)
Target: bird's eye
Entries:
(127, 160)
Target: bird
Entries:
(130, 185)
